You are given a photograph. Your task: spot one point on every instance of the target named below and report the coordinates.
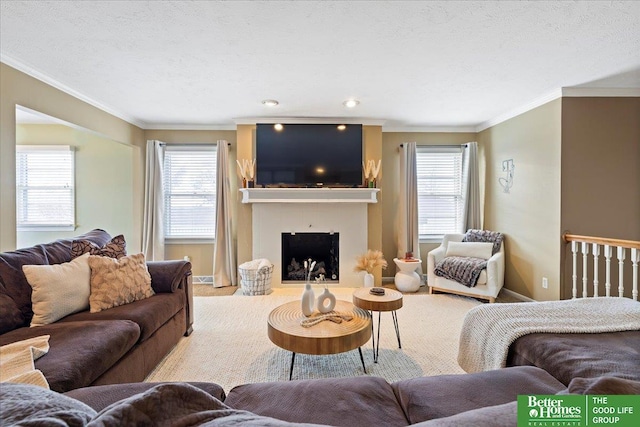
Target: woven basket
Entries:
(256, 282)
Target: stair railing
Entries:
(595, 243)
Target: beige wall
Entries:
(201, 254)
(18, 88)
(391, 166)
(600, 175)
(529, 214)
(103, 182)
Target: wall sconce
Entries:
(508, 167)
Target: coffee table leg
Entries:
(395, 324)
(293, 359)
(362, 359)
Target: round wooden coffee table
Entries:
(326, 337)
(390, 301)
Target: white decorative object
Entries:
(246, 169)
(407, 280)
(508, 167)
(308, 297)
(326, 301)
(368, 280)
(308, 300)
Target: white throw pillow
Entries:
(470, 249)
(59, 289)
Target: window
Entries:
(189, 192)
(440, 197)
(45, 193)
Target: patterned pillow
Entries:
(115, 248)
(116, 282)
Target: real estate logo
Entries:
(578, 411)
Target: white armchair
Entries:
(489, 283)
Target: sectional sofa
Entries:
(118, 345)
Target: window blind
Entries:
(440, 199)
(190, 192)
(45, 190)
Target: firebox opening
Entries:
(320, 247)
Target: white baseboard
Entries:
(517, 295)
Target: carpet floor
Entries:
(229, 344)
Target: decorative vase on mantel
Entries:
(308, 300)
(368, 280)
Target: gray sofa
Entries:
(118, 345)
(486, 398)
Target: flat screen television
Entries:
(311, 155)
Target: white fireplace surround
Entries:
(312, 210)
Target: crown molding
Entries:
(173, 126)
(430, 129)
(603, 92)
(309, 120)
(555, 94)
(22, 67)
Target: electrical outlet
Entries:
(545, 283)
(187, 258)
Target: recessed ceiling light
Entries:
(270, 102)
(342, 127)
(350, 103)
(278, 127)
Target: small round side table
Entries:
(390, 301)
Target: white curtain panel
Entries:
(471, 187)
(407, 219)
(153, 220)
(224, 258)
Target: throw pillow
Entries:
(116, 282)
(58, 290)
(484, 236)
(115, 248)
(470, 249)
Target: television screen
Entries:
(318, 155)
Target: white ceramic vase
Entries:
(308, 300)
(326, 301)
(368, 280)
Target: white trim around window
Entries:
(45, 188)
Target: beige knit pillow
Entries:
(58, 290)
(116, 282)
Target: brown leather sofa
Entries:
(119, 345)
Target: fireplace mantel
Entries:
(309, 195)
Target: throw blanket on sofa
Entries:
(462, 269)
(16, 361)
(489, 330)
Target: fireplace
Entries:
(323, 248)
(297, 211)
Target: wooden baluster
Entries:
(621, 255)
(635, 258)
(574, 276)
(596, 254)
(607, 281)
(585, 252)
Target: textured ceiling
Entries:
(411, 64)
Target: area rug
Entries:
(229, 343)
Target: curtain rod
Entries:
(438, 145)
(163, 144)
